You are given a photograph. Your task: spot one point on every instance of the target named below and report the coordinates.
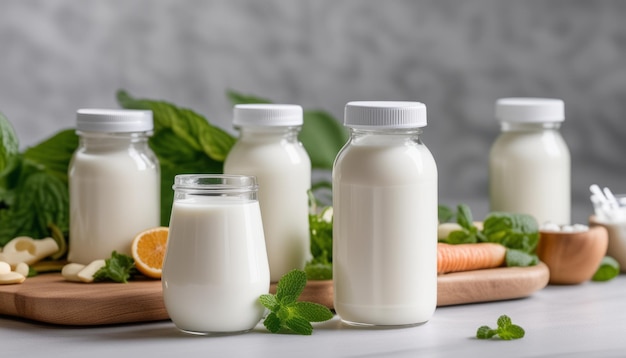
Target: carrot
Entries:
(467, 257)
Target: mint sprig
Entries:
(506, 330)
(289, 314)
(118, 268)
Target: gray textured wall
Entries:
(458, 57)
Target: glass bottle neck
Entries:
(529, 127)
(384, 136)
(105, 141)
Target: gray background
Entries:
(457, 57)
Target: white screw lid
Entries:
(268, 115)
(530, 110)
(114, 120)
(385, 114)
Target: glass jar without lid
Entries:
(114, 183)
(385, 217)
(215, 266)
(529, 162)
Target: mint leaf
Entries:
(506, 330)
(320, 267)
(290, 286)
(609, 269)
(299, 325)
(286, 312)
(55, 153)
(464, 217)
(118, 268)
(312, 312)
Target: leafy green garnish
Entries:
(469, 233)
(118, 268)
(9, 145)
(506, 330)
(608, 270)
(289, 314)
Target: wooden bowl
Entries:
(572, 257)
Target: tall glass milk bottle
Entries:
(268, 148)
(529, 163)
(114, 183)
(385, 217)
(215, 265)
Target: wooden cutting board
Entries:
(49, 298)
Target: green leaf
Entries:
(312, 312)
(322, 136)
(520, 258)
(55, 153)
(515, 231)
(461, 237)
(118, 268)
(41, 199)
(484, 332)
(506, 330)
(464, 217)
(511, 332)
(609, 269)
(445, 214)
(9, 145)
(184, 141)
(290, 286)
(299, 325)
(272, 323)
(269, 301)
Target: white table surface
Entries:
(587, 320)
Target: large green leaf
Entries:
(55, 153)
(9, 145)
(184, 141)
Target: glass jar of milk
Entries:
(529, 163)
(215, 265)
(114, 183)
(268, 148)
(385, 217)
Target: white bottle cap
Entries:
(385, 114)
(114, 120)
(530, 110)
(267, 115)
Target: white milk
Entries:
(529, 163)
(385, 231)
(272, 153)
(114, 184)
(216, 266)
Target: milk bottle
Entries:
(215, 266)
(268, 148)
(114, 183)
(529, 163)
(385, 217)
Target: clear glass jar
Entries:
(268, 148)
(385, 217)
(216, 264)
(114, 183)
(529, 162)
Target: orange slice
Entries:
(148, 250)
